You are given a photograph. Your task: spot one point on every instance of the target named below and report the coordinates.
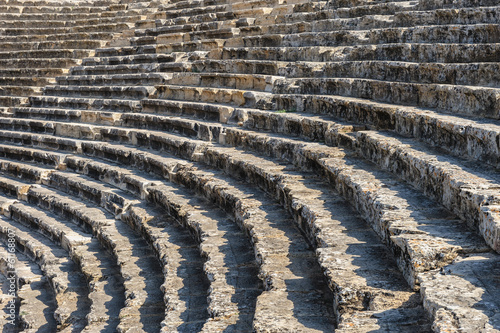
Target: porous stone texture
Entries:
(250, 166)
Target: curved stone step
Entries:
(8, 326)
(475, 74)
(34, 296)
(274, 260)
(41, 54)
(106, 292)
(85, 103)
(228, 96)
(467, 100)
(58, 20)
(114, 69)
(477, 140)
(270, 260)
(68, 284)
(58, 37)
(110, 27)
(37, 63)
(460, 207)
(184, 287)
(130, 92)
(143, 304)
(472, 246)
(142, 79)
(221, 243)
(26, 81)
(139, 58)
(420, 34)
(414, 52)
(83, 44)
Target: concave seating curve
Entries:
(251, 166)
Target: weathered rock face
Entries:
(239, 166)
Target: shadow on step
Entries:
(147, 281)
(244, 278)
(194, 290)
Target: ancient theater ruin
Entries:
(250, 166)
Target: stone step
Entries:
(438, 4)
(26, 81)
(171, 28)
(221, 308)
(107, 197)
(32, 54)
(305, 12)
(479, 102)
(121, 105)
(112, 27)
(57, 37)
(32, 155)
(187, 303)
(130, 92)
(211, 228)
(190, 11)
(178, 5)
(106, 292)
(15, 15)
(248, 82)
(476, 74)
(356, 23)
(241, 66)
(186, 289)
(20, 91)
(70, 3)
(412, 52)
(79, 44)
(216, 15)
(413, 201)
(273, 263)
(455, 15)
(67, 282)
(52, 9)
(350, 3)
(476, 33)
(21, 21)
(142, 79)
(207, 111)
(148, 59)
(37, 63)
(7, 101)
(122, 160)
(35, 298)
(468, 191)
(191, 46)
(476, 141)
(124, 51)
(186, 285)
(144, 306)
(278, 294)
(48, 142)
(168, 38)
(209, 131)
(236, 97)
(374, 17)
(115, 69)
(201, 174)
(40, 73)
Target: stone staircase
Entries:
(239, 166)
